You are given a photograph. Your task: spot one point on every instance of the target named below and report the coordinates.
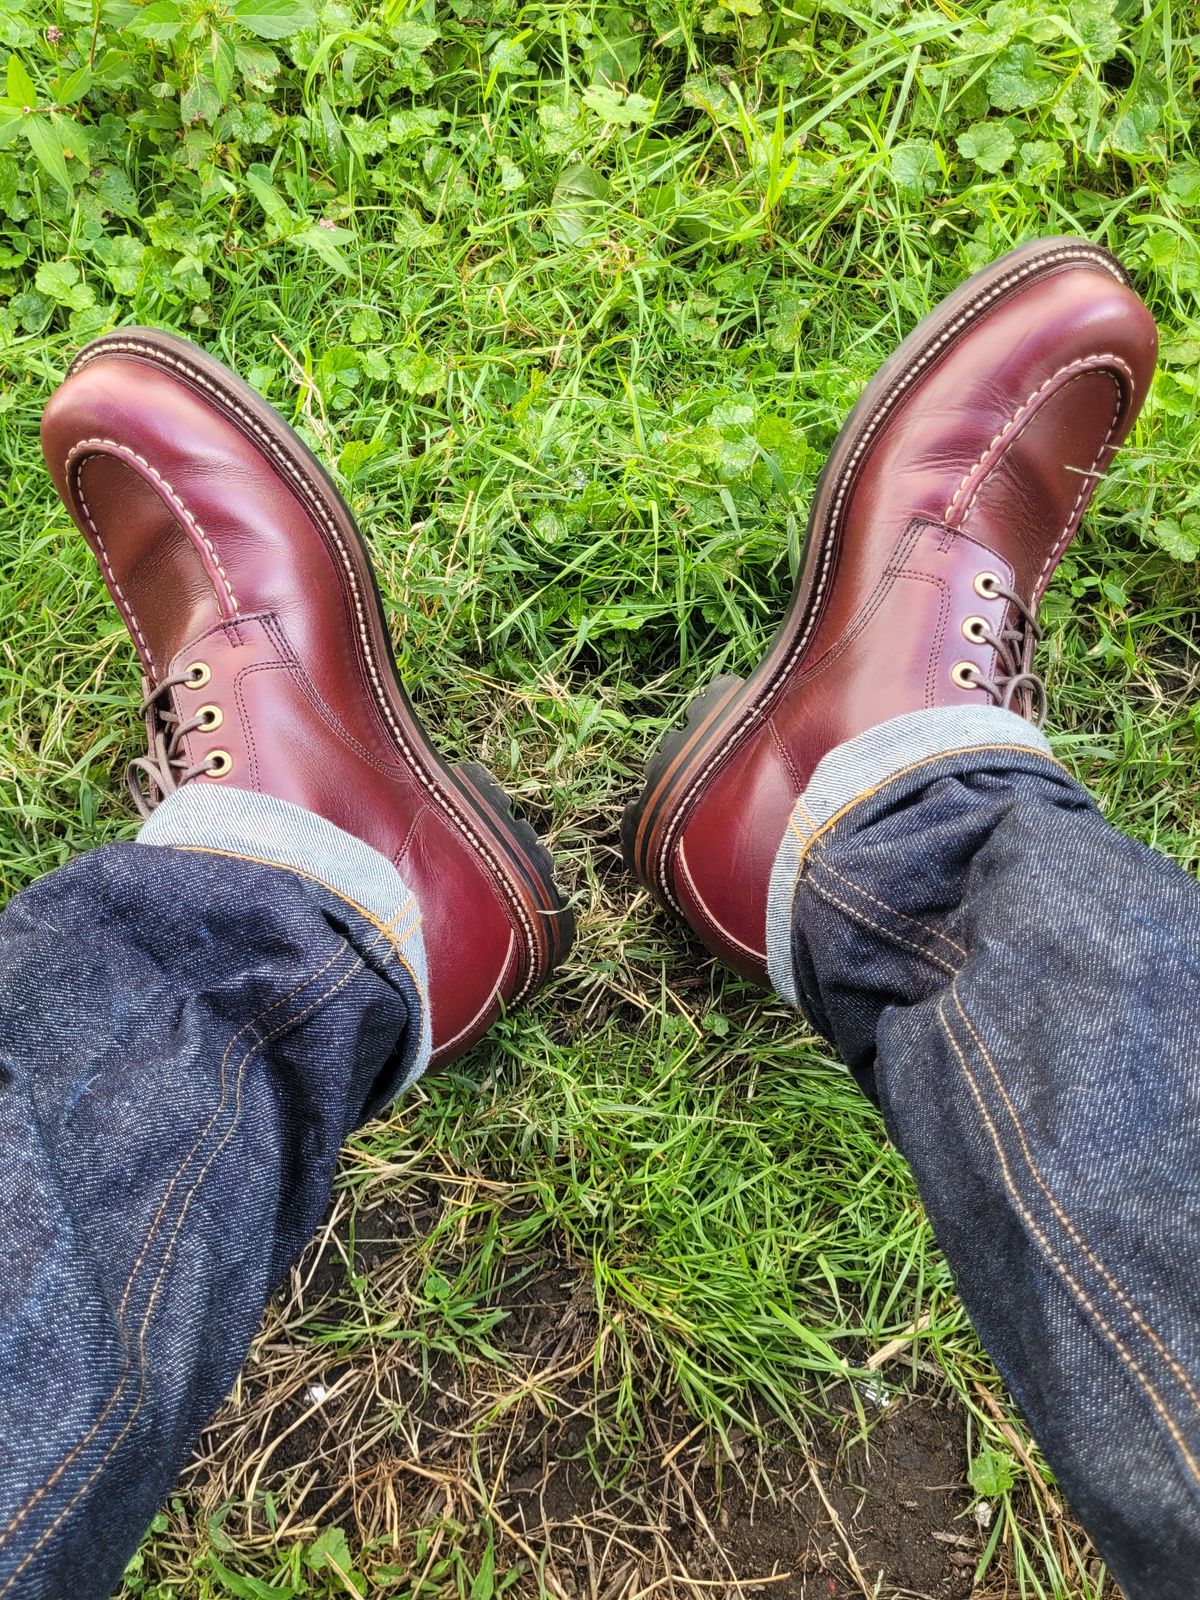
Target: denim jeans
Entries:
(1018, 985)
(190, 1025)
(187, 1035)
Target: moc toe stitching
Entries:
(914, 371)
(753, 711)
(1086, 488)
(1000, 441)
(111, 578)
(87, 448)
(207, 456)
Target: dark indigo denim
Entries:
(1018, 985)
(186, 1039)
(185, 1042)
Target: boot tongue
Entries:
(163, 583)
(150, 711)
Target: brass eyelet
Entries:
(220, 763)
(210, 718)
(986, 584)
(198, 674)
(964, 675)
(975, 629)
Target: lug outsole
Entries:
(657, 764)
(541, 862)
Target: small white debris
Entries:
(983, 1514)
(317, 1393)
(876, 1393)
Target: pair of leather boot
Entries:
(948, 499)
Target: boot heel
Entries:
(662, 772)
(535, 863)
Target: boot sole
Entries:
(468, 794)
(720, 719)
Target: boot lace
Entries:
(164, 768)
(1015, 686)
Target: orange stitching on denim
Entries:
(247, 1027)
(1179, 1372)
(804, 844)
(888, 933)
(286, 866)
(1059, 1265)
(820, 830)
(113, 1446)
(926, 927)
(115, 1396)
(22, 1511)
(293, 1022)
(264, 1039)
(802, 857)
(805, 813)
(915, 766)
(221, 1104)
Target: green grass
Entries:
(573, 299)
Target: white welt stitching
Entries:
(870, 429)
(152, 352)
(90, 446)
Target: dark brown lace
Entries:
(164, 768)
(1015, 686)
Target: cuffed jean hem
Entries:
(860, 767)
(271, 832)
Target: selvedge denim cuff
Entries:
(852, 771)
(258, 827)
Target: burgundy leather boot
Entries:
(949, 497)
(239, 571)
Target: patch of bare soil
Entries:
(525, 1438)
(750, 1519)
